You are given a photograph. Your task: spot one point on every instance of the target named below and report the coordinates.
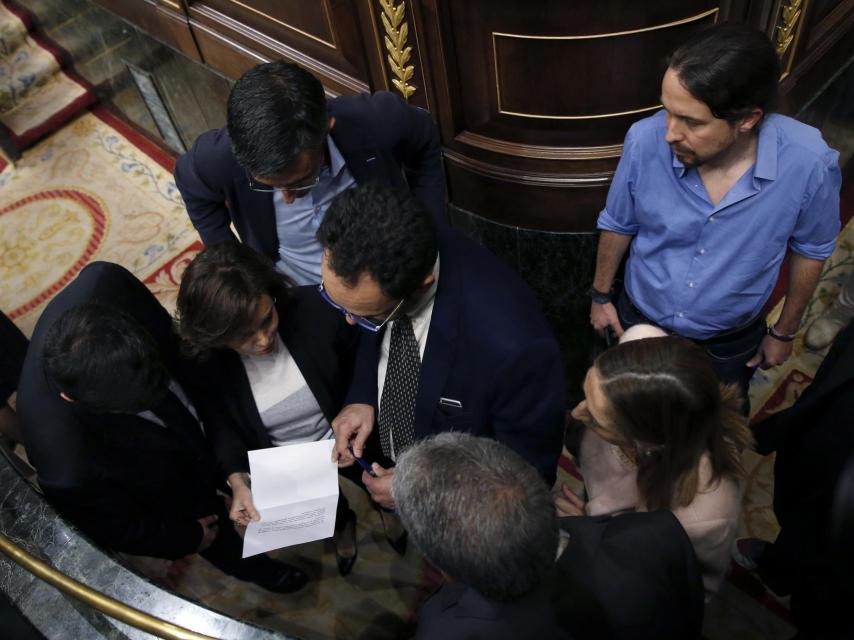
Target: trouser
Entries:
(729, 352)
(227, 548)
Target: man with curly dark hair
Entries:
(452, 340)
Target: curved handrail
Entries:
(87, 595)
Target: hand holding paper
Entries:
(295, 489)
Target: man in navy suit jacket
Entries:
(113, 417)
(287, 152)
(488, 362)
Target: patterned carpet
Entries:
(36, 93)
(89, 192)
(96, 190)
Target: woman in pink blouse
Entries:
(663, 433)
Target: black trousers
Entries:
(729, 352)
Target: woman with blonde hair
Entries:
(663, 433)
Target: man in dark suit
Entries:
(814, 440)
(287, 152)
(13, 348)
(463, 499)
(633, 576)
(113, 421)
(466, 347)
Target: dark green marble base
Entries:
(559, 269)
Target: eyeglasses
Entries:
(366, 323)
(269, 188)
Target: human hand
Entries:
(380, 487)
(772, 352)
(210, 529)
(569, 504)
(355, 421)
(242, 510)
(603, 316)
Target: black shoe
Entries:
(278, 577)
(345, 563)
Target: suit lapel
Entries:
(245, 401)
(259, 215)
(295, 336)
(366, 162)
(441, 344)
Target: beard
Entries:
(687, 158)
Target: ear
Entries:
(65, 396)
(331, 123)
(428, 280)
(749, 122)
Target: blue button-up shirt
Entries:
(297, 223)
(698, 269)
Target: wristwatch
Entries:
(599, 297)
(782, 337)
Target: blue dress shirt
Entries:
(297, 223)
(697, 269)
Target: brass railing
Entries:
(105, 604)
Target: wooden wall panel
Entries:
(815, 39)
(163, 19)
(324, 36)
(532, 99)
(534, 106)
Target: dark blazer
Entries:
(813, 439)
(456, 611)
(488, 347)
(13, 348)
(129, 483)
(323, 346)
(381, 138)
(629, 577)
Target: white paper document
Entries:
(295, 489)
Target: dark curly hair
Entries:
(219, 294)
(381, 231)
(730, 67)
(275, 110)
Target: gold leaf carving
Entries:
(396, 34)
(790, 15)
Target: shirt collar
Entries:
(427, 297)
(677, 163)
(766, 154)
(766, 151)
(336, 160)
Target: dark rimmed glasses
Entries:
(269, 188)
(365, 322)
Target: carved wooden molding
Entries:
(529, 178)
(787, 32)
(790, 14)
(399, 53)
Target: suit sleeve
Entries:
(229, 449)
(112, 519)
(13, 349)
(206, 204)
(419, 151)
(528, 409)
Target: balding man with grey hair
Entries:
(484, 518)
